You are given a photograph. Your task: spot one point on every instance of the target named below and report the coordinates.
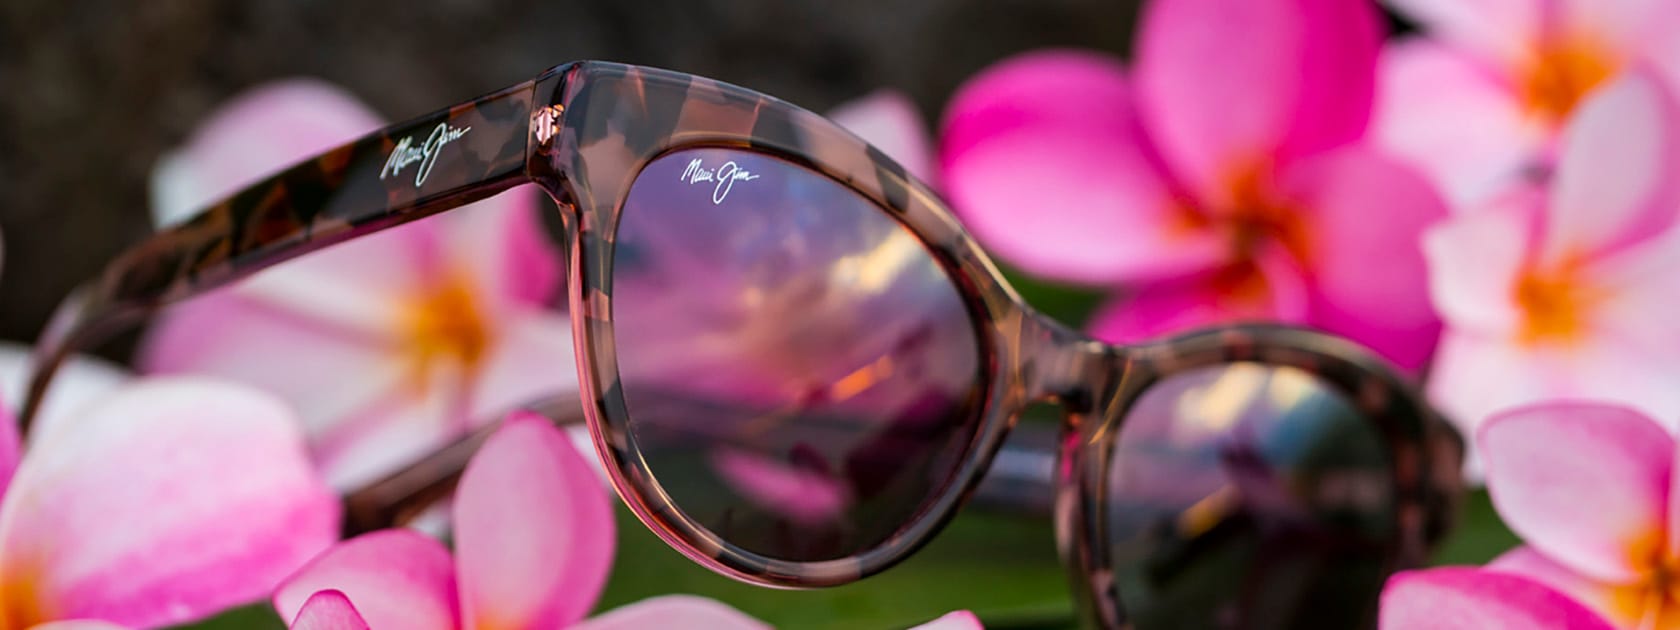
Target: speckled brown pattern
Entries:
(584, 131)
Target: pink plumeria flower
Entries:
(388, 345)
(533, 546)
(1221, 179)
(1481, 100)
(1465, 598)
(1589, 488)
(163, 502)
(1568, 290)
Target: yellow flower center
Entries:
(1561, 73)
(445, 327)
(1555, 303)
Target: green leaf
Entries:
(1480, 535)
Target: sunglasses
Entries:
(796, 365)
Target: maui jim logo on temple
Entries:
(426, 154)
(725, 176)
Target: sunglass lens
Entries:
(801, 376)
(1248, 496)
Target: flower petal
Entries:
(1369, 279)
(1502, 31)
(324, 370)
(1632, 26)
(1638, 291)
(1044, 161)
(532, 361)
(958, 620)
(889, 121)
(1474, 262)
(257, 133)
(1614, 182)
(1230, 86)
(190, 496)
(502, 248)
(533, 530)
(1272, 290)
(328, 610)
(1623, 605)
(673, 611)
(80, 381)
(78, 624)
(1475, 376)
(395, 578)
(399, 428)
(1464, 598)
(1448, 116)
(1586, 484)
(11, 447)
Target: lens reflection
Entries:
(800, 374)
(1249, 496)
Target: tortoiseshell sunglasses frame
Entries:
(583, 132)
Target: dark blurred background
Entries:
(92, 91)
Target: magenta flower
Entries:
(1463, 598)
(533, 534)
(1481, 100)
(388, 345)
(1589, 488)
(1226, 180)
(163, 502)
(1567, 290)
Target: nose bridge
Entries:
(1062, 365)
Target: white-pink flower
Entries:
(1590, 489)
(1567, 290)
(1480, 100)
(387, 345)
(161, 502)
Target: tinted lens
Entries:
(1249, 496)
(801, 376)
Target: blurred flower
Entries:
(1464, 598)
(533, 545)
(164, 502)
(1225, 183)
(1588, 487)
(1569, 291)
(387, 345)
(889, 121)
(79, 382)
(1481, 100)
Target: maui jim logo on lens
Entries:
(725, 176)
(426, 154)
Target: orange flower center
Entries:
(1259, 214)
(20, 602)
(1561, 73)
(1653, 600)
(1555, 304)
(445, 327)
(1253, 216)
